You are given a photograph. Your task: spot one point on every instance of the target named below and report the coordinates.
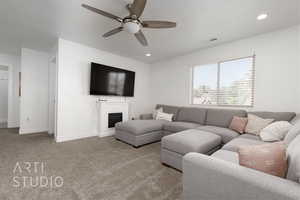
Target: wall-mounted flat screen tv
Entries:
(111, 81)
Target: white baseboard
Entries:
(13, 124)
(107, 133)
(78, 137)
(30, 131)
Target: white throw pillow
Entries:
(275, 131)
(256, 124)
(155, 112)
(164, 116)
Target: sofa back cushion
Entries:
(296, 119)
(195, 115)
(293, 154)
(169, 109)
(277, 116)
(222, 117)
(292, 134)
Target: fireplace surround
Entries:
(111, 113)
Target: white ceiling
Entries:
(37, 23)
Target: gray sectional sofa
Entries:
(200, 143)
(217, 121)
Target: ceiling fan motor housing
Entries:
(131, 26)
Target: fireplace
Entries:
(114, 118)
(111, 113)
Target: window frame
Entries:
(218, 85)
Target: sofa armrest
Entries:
(146, 116)
(208, 178)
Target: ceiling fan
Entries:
(132, 23)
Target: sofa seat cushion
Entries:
(229, 156)
(179, 126)
(191, 141)
(225, 133)
(140, 127)
(250, 136)
(236, 143)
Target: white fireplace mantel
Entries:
(106, 107)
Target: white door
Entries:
(52, 97)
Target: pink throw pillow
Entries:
(268, 158)
(238, 124)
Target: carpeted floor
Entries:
(90, 169)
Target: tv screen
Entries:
(111, 81)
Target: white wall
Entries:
(3, 95)
(13, 62)
(77, 111)
(277, 71)
(299, 68)
(34, 99)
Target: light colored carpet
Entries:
(92, 169)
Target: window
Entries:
(229, 83)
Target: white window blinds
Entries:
(228, 83)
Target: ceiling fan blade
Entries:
(158, 24)
(137, 8)
(141, 38)
(112, 32)
(101, 12)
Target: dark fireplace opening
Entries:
(114, 118)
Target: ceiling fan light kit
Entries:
(132, 24)
(132, 27)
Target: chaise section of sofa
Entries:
(139, 132)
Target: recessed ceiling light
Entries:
(262, 16)
(148, 54)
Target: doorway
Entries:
(4, 74)
(52, 96)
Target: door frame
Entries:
(10, 95)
